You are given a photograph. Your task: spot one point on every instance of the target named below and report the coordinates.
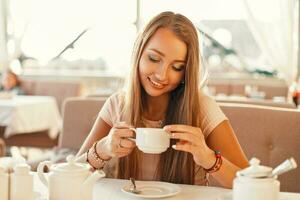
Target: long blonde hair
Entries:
(174, 166)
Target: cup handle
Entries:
(134, 130)
(40, 172)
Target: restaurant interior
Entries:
(68, 57)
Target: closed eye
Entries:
(153, 59)
(178, 68)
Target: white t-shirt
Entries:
(210, 114)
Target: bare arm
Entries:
(100, 129)
(113, 142)
(191, 139)
(223, 138)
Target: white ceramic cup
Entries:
(151, 140)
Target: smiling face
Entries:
(162, 63)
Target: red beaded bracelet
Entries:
(217, 165)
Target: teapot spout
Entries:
(93, 178)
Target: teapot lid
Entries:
(71, 166)
(255, 170)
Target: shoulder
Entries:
(117, 98)
(207, 102)
(211, 114)
(111, 112)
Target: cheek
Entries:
(142, 68)
(143, 72)
(145, 67)
(176, 78)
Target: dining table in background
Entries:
(110, 189)
(275, 102)
(27, 114)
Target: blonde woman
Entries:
(163, 92)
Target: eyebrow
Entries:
(162, 54)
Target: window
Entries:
(46, 27)
(234, 48)
(50, 25)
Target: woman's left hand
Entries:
(191, 139)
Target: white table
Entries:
(25, 114)
(110, 189)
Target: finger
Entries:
(182, 128)
(121, 155)
(187, 147)
(185, 136)
(124, 133)
(183, 142)
(126, 143)
(123, 151)
(176, 127)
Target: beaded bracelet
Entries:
(217, 165)
(96, 157)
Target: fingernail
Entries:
(174, 146)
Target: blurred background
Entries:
(92, 39)
(62, 49)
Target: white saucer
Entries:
(153, 189)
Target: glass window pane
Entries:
(50, 25)
(225, 21)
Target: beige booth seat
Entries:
(270, 134)
(79, 115)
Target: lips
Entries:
(155, 84)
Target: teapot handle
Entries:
(40, 172)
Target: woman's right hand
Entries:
(116, 143)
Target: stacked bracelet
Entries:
(101, 162)
(217, 165)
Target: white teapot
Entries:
(70, 180)
(256, 182)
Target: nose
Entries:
(162, 72)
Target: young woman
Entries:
(164, 92)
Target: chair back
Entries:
(79, 115)
(270, 134)
(61, 90)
